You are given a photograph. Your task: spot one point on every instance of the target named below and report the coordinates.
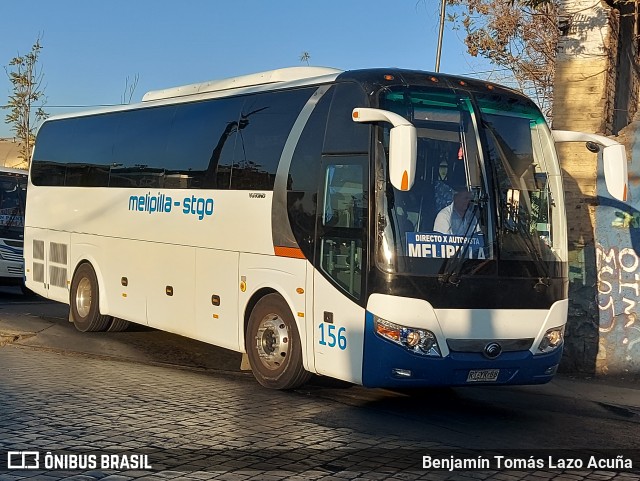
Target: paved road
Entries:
(194, 415)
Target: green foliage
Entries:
(25, 103)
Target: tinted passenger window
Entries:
(202, 139)
(264, 125)
(226, 143)
(140, 148)
(84, 142)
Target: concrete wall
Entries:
(596, 92)
(617, 233)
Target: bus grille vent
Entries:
(38, 250)
(58, 253)
(18, 244)
(16, 271)
(58, 276)
(38, 272)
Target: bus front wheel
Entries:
(85, 310)
(273, 345)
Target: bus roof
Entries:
(282, 75)
(285, 78)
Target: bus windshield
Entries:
(13, 190)
(484, 176)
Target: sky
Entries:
(92, 50)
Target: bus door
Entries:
(340, 260)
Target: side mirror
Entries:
(403, 144)
(614, 159)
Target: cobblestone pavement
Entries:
(195, 425)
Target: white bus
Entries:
(13, 196)
(289, 215)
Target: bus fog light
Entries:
(550, 371)
(397, 372)
(552, 340)
(418, 341)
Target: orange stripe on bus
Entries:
(289, 252)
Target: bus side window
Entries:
(343, 225)
(343, 196)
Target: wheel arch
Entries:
(251, 303)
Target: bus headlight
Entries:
(552, 340)
(418, 341)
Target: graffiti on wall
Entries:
(618, 298)
(624, 220)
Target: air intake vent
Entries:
(58, 276)
(58, 253)
(14, 243)
(38, 272)
(16, 271)
(38, 250)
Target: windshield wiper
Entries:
(453, 265)
(505, 152)
(529, 244)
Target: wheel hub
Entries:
(272, 341)
(83, 297)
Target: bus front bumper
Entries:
(390, 365)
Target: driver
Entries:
(457, 218)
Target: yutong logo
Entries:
(492, 350)
(163, 203)
(257, 195)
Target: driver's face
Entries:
(461, 200)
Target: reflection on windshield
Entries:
(443, 216)
(446, 220)
(520, 166)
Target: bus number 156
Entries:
(334, 339)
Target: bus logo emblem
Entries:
(492, 350)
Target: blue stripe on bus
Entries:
(382, 356)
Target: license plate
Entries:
(483, 375)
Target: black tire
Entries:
(84, 301)
(118, 325)
(273, 345)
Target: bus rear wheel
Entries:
(118, 325)
(84, 304)
(273, 345)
